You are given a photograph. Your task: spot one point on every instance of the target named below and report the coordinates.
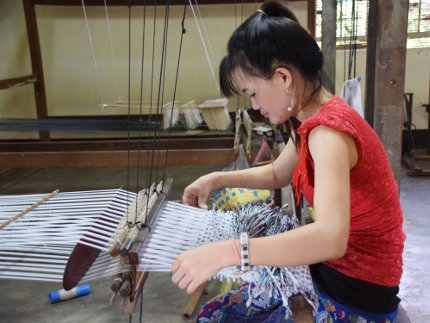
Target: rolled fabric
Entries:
(62, 295)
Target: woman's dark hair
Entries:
(270, 38)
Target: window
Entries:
(419, 24)
(350, 30)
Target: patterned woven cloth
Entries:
(230, 198)
(268, 285)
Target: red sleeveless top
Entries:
(375, 245)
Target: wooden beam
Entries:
(140, 2)
(49, 152)
(392, 23)
(132, 2)
(117, 144)
(115, 158)
(328, 42)
(17, 81)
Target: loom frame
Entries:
(47, 152)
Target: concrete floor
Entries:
(22, 301)
(415, 283)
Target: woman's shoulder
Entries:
(338, 115)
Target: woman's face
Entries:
(269, 96)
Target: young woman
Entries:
(334, 158)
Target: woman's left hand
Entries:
(194, 267)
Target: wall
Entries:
(416, 78)
(74, 88)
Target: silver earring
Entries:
(289, 109)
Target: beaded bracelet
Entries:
(244, 253)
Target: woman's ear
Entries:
(285, 75)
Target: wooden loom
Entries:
(58, 221)
(39, 232)
(66, 237)
(210, 149)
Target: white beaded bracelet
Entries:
(244, 252)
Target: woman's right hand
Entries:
(197, 193)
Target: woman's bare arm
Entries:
(275, 175)
(334, 154)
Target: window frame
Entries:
(344, 42)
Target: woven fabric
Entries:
(234, 306)
(228, 199)
(376, 237)
(260, 220)
(330, 311)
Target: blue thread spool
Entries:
(62, 295)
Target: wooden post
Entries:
(369, 104)
(193, 301)
(427, 106)
(390, 59)
(328, 42)
(302, 311)
(311, 16)
(36, 63)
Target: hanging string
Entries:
(128, 104)
(151, 91)
(150, 149)
(156, 137)
(160, 94)
(138, 188)
(204, 46)
(155, 142)
(93, 54)
(211, 52)
(164, 53)
(183, 31)
(118, 92)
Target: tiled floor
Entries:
(22, 301)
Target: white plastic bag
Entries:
(240, 163)
(350, 92)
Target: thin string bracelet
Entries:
(236, 253)
(238, 178)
